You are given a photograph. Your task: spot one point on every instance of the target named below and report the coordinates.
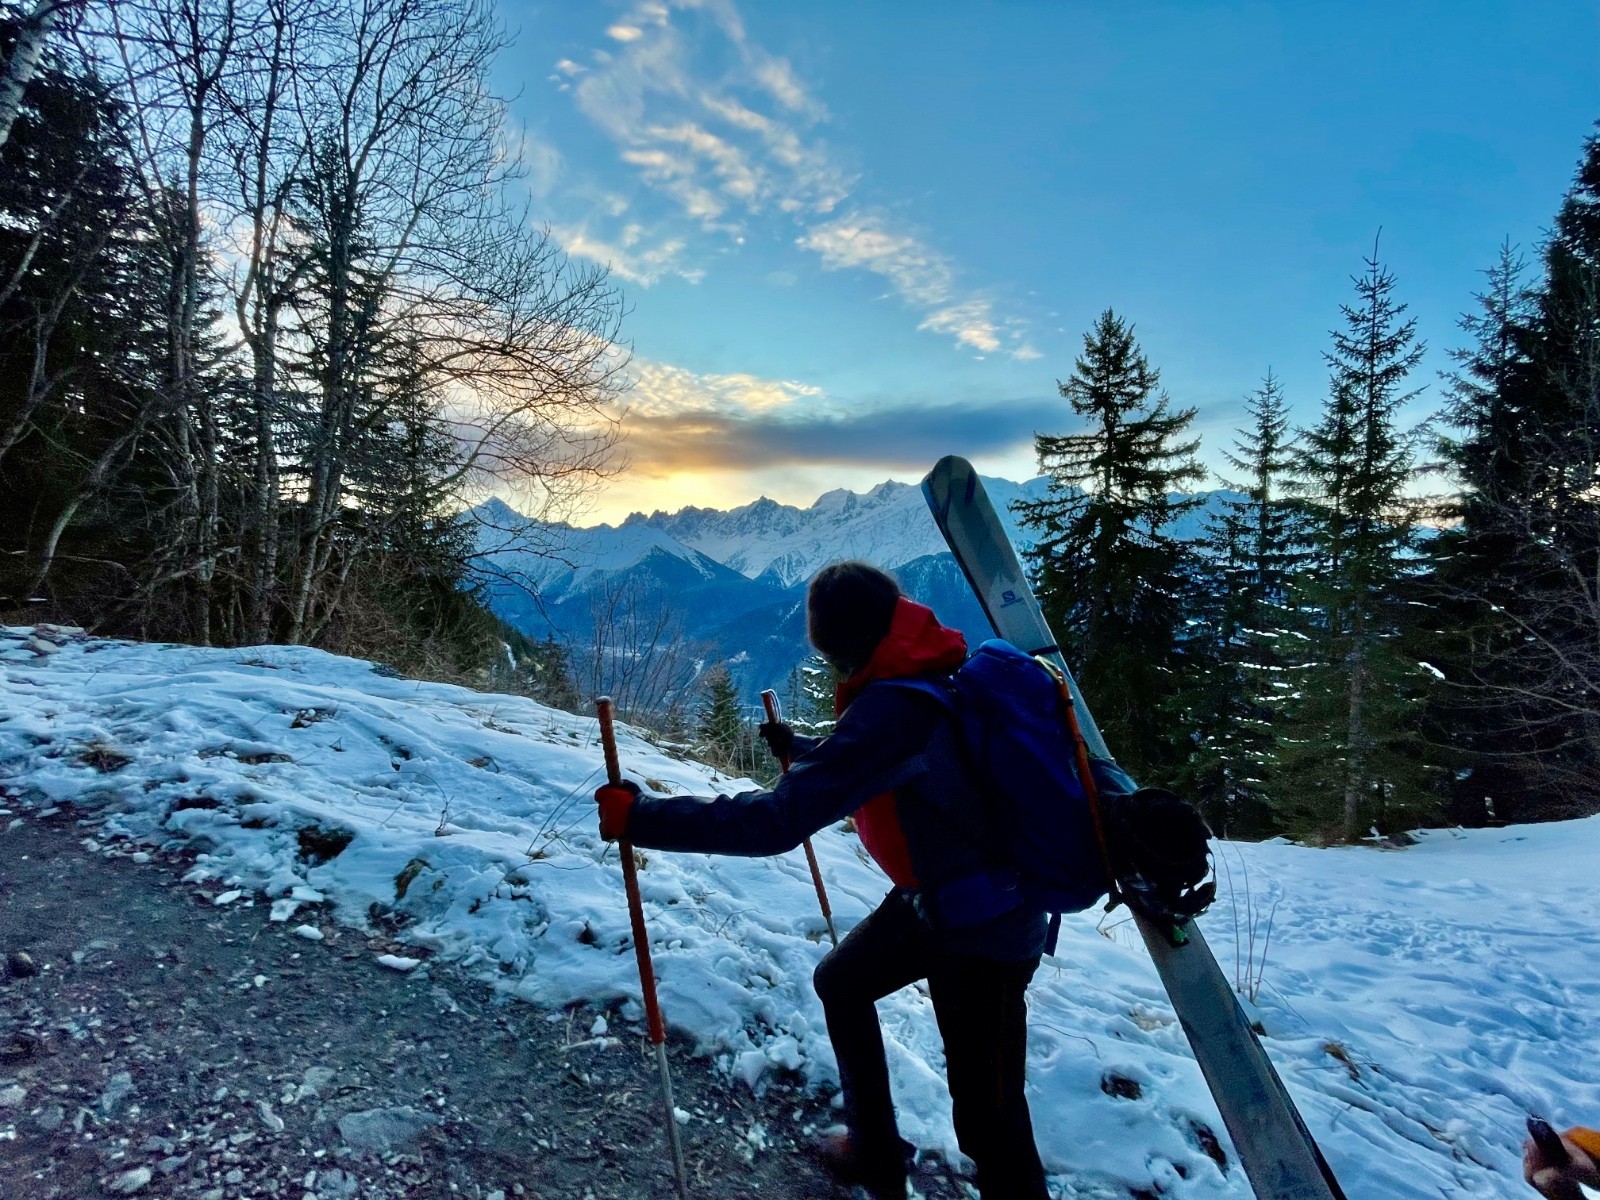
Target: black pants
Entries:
(982, 1013)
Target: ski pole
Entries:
(641, 946)
(774, 714)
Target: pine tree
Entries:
(1475, 580)
(1524, 559)
(1353, 750)
(1252, 546)
(1109, 574)
(721, 728)
(808, 699)
(81, 343)
(552, 670)
(1560, 566)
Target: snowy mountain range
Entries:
(765, 541)
(779, 543)
(734, 579)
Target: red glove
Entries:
(615, 801)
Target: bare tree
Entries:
(639, 655)
(170, 59)
(332, 175)
(259, 164)
(413, 244)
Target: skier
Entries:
(1557, 1180)
(955, 916)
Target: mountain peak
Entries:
(495, 511)
(833, 501)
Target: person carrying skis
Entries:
(955, 916)
(1559, 1180)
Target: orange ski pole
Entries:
(770, 699)
(641, 947)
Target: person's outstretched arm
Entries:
(875, 748)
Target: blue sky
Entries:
(856, 236)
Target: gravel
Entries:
(168, 1046)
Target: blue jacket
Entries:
(890, 739)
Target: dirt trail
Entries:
(154, 1043)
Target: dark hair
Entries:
(849, 606)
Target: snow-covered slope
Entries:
(1417, 1002)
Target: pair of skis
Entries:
(1277, 1151)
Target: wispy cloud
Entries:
(632, 256)
(923, 277)
(729, 132)
(706, 144)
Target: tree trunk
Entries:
(258, 305)
(96, 476)
(1356, 734)
(263, 571)
(32, 35)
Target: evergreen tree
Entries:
(1352, 753)
(721, 728)
(1559, 601)
(1475, 578)
(553, 684)
(1252, 546)
(1109, 574)
(80, 340)
(1523, 562)
(808, 700)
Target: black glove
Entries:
(779, 738)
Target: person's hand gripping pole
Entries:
(775, 716)
(641, 945)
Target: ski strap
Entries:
(1091, 789)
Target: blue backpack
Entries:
(1014, 727)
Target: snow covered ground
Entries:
(1418, 1003)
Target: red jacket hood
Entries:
(916, 644)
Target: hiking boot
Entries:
(883, 1176)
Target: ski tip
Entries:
(951, 475)
(948, 466)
